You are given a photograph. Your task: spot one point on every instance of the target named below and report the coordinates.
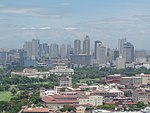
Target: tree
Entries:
(4, 106)
(13, 91)
(140, 105)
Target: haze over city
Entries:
(59, 20)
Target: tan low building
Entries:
(62, 70)
(133, 81)
(57, 101)
(80, 109)
(35, 110)
(140, 96)
(94, 100)
(145, 78)
(31, 73)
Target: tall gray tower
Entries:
(120, 46)
(101, 54)
(86, 45)
(128, 52)
(54, 50)
(77, 46)
(97, 43)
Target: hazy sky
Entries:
(62, 21)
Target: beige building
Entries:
(57, 101)
(145, 78)
(94, 100)
(35, 110)
(140, 96)
(61, 70)
(133, 81)
(80, 109)
(31, 73)
(120, 63)
(65, 81)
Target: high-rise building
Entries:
(101, 54)
(63, 51)
(44, 50)
(120, 62)
(120, 46)
(109, 55)
(68, 50)
(28, 48)
(32, 48)
(3, 58)
(140, 54)
(77, 47)
(97, 43)
(54, 50)
(86, 45)
(35, 48)
(80, 60)
(115, 54)
(22, 57)
(128, 52)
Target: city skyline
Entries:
(58, 20)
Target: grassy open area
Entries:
(5, 95)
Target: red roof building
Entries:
(35, 110)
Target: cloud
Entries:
(36, 28)
(29, 12)
(65, 4)
(24, 11)
(70, 28)
(45, 28)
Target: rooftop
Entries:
(41, 110)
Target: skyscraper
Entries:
(68, 50)
(77, 47)
(120, 62)
(35, 48)
(101, 54)
(128, 52)
(54, 50)
(140, 54)
(63, 51)
(109, 55)
(120, 46)
(28, 48)
(32, 48)
(22, 57)
(86, 45)
(95, 49)
(115, 54)
(44, 50)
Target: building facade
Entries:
(128, 52)
(77, 47)
(86, 45)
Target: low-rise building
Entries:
(120, 62)
(140, 96)
(62, 70)
(80, 109)
(94, 100)
(31, 73)
(133, 81)
(145, 78)
(65, 81)
(35, 110)
(57, 101)
(108, 95)
(59, 89)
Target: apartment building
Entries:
(94, 100)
